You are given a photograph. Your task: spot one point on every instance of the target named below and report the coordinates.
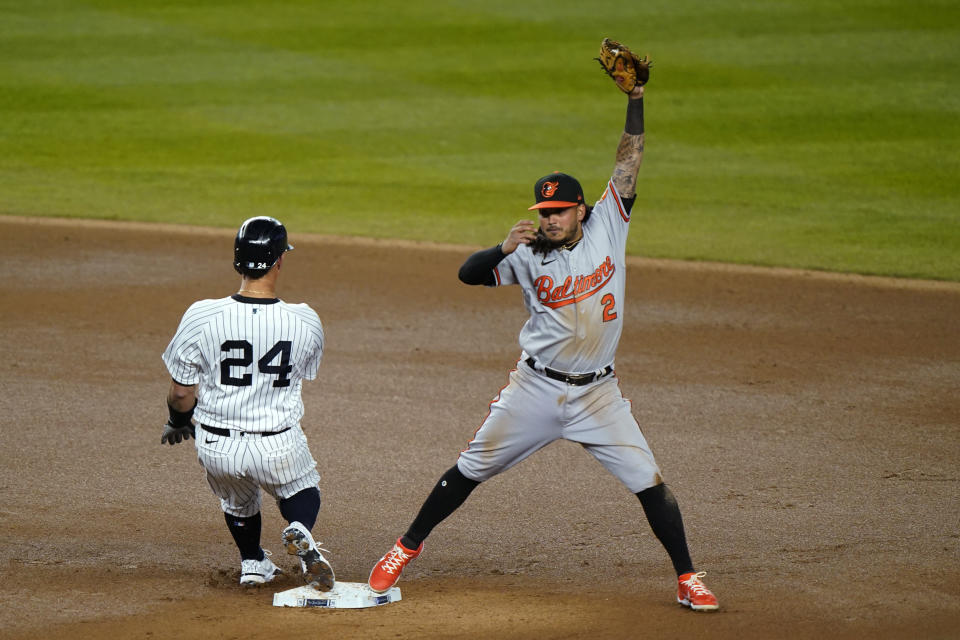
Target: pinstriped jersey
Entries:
(249, 357)
(575, 297)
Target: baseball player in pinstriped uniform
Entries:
(572, 271)
(237, 366)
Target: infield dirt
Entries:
(809, 425)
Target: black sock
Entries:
(664, 517)
(301, 507)
(246, 534)
(448, 494)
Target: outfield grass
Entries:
(800, 133)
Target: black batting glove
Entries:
(179, 426)
(175, 435)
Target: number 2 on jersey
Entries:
(281, 370)
(608, 303)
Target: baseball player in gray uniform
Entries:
(572, 271)
(237, 366)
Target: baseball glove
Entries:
(626, 68)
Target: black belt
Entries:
(576, 379)
(227, 432)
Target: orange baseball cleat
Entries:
(387, 571)
(694, 594)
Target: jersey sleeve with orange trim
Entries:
(506, 272)
(613, 215)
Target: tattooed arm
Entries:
(630, 149)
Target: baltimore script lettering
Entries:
(573, 290)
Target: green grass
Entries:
(812, 134)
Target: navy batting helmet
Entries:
(259, 244)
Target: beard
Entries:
(542, 244)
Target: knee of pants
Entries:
(241, 508)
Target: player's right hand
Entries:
(173, 435)
(522, 233)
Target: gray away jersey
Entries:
(249, 357)
(575, 298)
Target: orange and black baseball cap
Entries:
(557, 191)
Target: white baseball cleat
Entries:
(317, 572)
(254, 572)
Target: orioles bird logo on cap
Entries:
(549, 188)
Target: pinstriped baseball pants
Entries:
(240, 465)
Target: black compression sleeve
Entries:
(634, 124)
(664, 517)
(448, 494)
(478, 269)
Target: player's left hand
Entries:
(174, 435)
